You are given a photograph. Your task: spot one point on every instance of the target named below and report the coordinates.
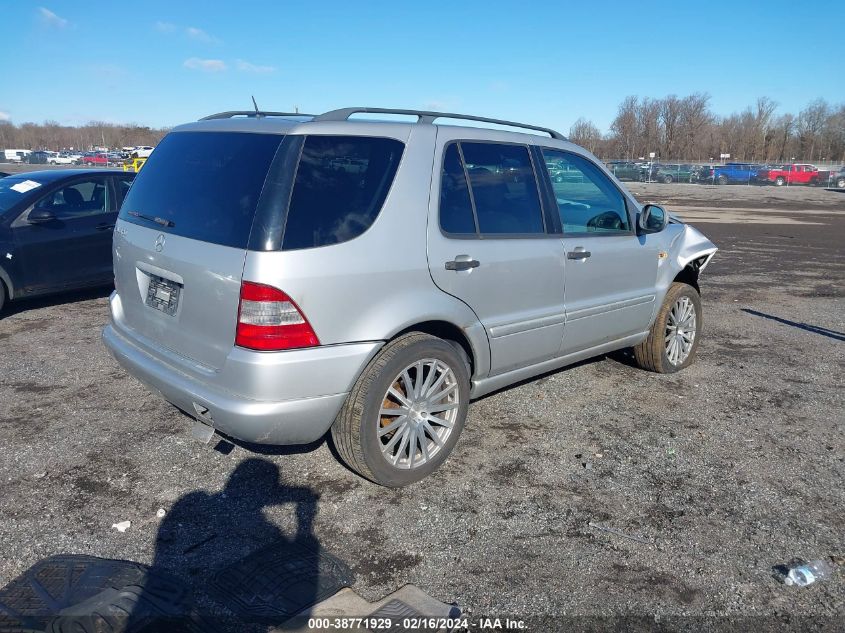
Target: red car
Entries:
(99, 158)
(797, 174)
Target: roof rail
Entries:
(250, 113)
(425, 116)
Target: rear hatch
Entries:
(182, 237)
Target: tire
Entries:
(840, 184)
(667, 179)
(780, 181)
(722, 179)
(653, 353)
(355, 431)
(2, 296)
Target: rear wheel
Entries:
(2, 296)
(780, 181)
(723, 180)
(667, 179)
(405, 412)
(840, 184)
(674, 336)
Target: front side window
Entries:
(79, 199)
(586, 199)
(340, 186)
(504, 188)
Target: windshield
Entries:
(202, 185)
(13, 189)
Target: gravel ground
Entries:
(725, 470)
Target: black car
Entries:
(56, 229)
(38, 157)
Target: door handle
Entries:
(462, 262)
(104, 227)
(582, 254)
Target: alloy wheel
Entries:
(680, 331)
(418, 413)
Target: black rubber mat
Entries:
(84, 593)
(278, 581)
(397, 611)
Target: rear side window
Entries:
(503, 188)
(340, 186)
(202, 185)
(455, 205)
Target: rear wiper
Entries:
(150, 218)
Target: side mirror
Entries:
(652, 219)
(40, 215)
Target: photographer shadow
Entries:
(240, 571)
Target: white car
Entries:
(142, 151)
(61, 158)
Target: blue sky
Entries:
(161, 63)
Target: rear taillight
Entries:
(268, 319)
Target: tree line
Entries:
(685, 128)
(674, 128)
(54, 136)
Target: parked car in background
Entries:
(56, 229)
(62, 158)
(142, 151)
(275, 297)
(95, 158)
(734, 173)
(794, 174)
(39, 157)
(626, 170)
(676, 173)
(15, 155)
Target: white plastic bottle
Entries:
(808, 573)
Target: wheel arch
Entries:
(7, 284)
(466, 339)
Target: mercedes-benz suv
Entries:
(280, 276)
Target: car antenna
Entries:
(257, 112)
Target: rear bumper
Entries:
(329, 372)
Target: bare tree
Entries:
(585, 134)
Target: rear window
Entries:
(202, 185)
(340, 186)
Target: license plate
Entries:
(163, 294)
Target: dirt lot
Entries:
(726, 470)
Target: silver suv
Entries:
(278, 276)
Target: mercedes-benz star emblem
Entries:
(159, 243)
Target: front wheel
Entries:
(405, 413)
(667, 179)
(674, 336)
(780, 181)
(723, 180)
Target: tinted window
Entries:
(340, 186)
(586, 199)
(206, 183)
(503, 187)
(455, 206)
(77, 199)
(123, 183)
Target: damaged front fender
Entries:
(686, 252)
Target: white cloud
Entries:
(5, 116)
(205, 65)
(165, 27)
(51, 19)
(200, 36)
(246, 67)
